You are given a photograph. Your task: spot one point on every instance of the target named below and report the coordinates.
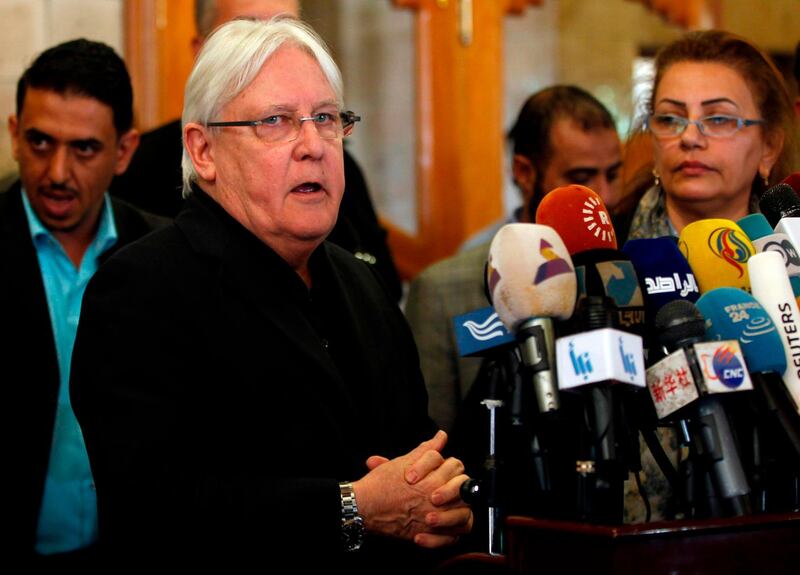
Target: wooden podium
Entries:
(768, 544)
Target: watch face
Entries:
(353, 531)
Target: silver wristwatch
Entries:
(353, 529)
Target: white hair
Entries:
(230, 60)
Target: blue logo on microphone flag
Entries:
(480, 330)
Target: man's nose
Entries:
(605, 190)
(59, 168)
(309, 142)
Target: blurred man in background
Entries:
(563, 135)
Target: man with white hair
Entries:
(153, 181)
(262, 394)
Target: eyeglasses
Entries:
(715, 126)
(279, 128)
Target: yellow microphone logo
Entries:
(726, 244)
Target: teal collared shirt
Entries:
(68, 516)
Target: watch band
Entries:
(349, 505)
(353, 528)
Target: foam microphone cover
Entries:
(778, 202)
(663, 270)
(772, 289)
(529, 274)
(730, 314)
(765, 239)
(717, 251)
(755, 226)
(610, 273)
(579, 216)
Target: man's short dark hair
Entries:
(530, 135)
(83, 68)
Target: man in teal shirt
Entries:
(71, 133)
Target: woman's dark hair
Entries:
(759, 72)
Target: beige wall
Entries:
(599, 40)
(588, 42)
(592, 43)
(29, 26)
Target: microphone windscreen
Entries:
(663, 270)
(731, 313)
(717, 251)
(579, 216)
(755, 226)
(610, 273)
(778, 202)
(773, 290)
(679, 323)
(765, 239)
(529, 274)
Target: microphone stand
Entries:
(776, 446)
(601, 473)
(494, 511)
(487, 491)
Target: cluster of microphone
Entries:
(599, 346)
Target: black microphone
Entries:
(781, 206)
(602, 348)
(682, 383)
(774, 458)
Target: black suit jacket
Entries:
(29, 364)
(218, 413)
(153, 181)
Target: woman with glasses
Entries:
(721, 126)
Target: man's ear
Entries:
(199, 147)
(127, 145)
(13, 127)
(524, 176)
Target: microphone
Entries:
(772, 289)
(682, 384)
(717, 250)
(781, 206)
(667, 277)
(530, 281)
(579, 216)
(666, 274)
(765, 239)
(779, 202)
(604, 366)
(734, 314)
(663, 269)
(604, 347)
